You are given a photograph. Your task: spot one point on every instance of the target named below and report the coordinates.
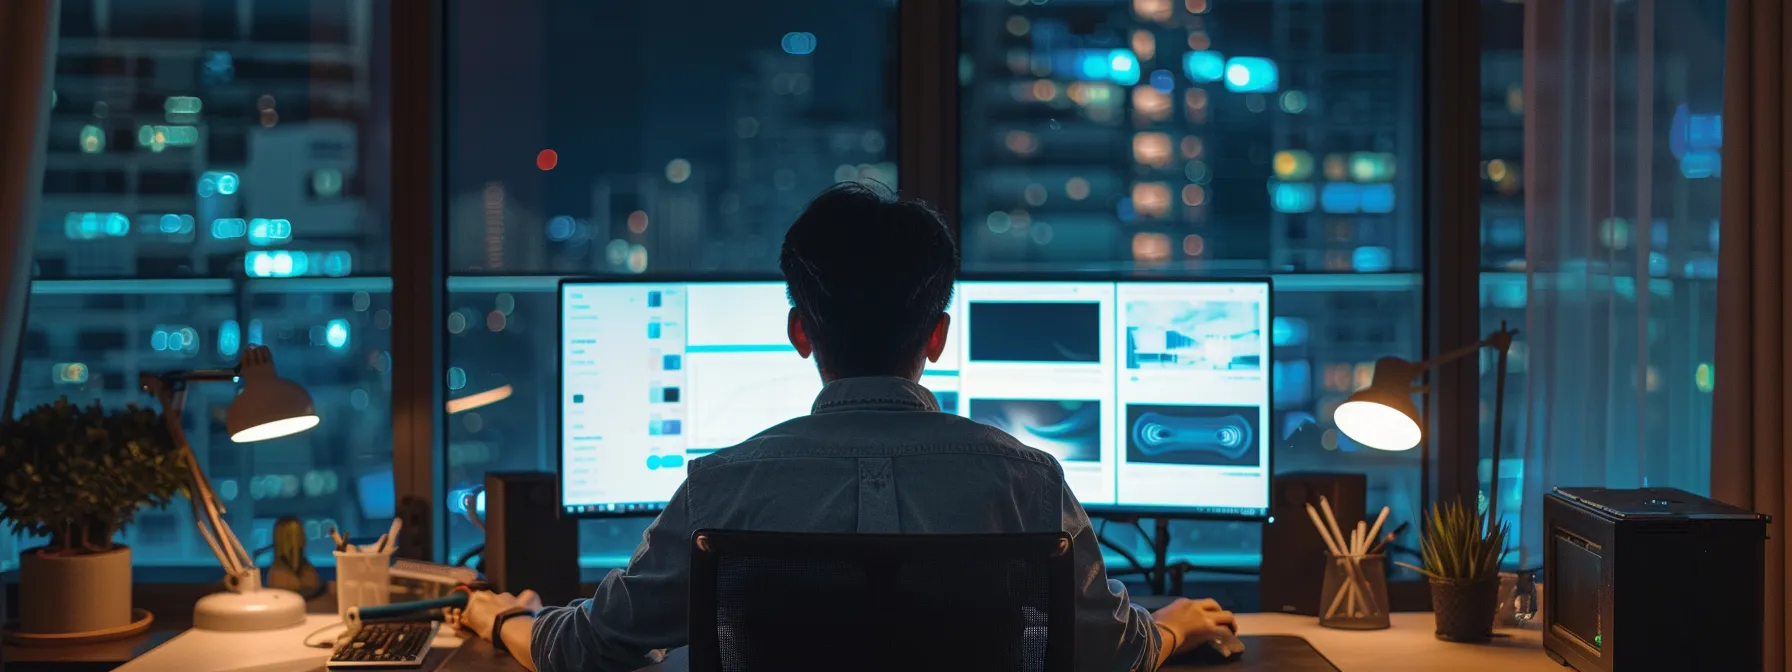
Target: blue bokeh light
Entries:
(1372, 259)
(798, 43)
(1119, 66)
(1204, 67)
(1377, 198)
(1701, 163)
(1340, 197)
(336, 333)
(1292, 197)
(230, 338)
(1163, 81)
(561, 228)
(1249, 74)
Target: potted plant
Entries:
(76, 475)
(1461, 552)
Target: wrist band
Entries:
(498, 626)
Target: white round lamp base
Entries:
(263, 609)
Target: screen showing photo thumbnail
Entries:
(1206, 435)
(1069, 429)
(1046, 331)
(1198, 335)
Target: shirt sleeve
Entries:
(636, 614)
(1112, 633)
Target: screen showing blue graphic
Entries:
(1153, 395)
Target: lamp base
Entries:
(260, 609)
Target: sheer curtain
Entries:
(1623, 104)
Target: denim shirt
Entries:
(874, 455)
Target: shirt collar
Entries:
(874, 393)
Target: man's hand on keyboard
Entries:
(484, 607)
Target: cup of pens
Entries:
(363, 578)
(364, 572)
(1354, 594)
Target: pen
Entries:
(341, 543)
(1375, 530)
(391, 536)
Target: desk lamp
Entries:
(268, 407)
(1382, 415)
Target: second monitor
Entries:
(1153, 395)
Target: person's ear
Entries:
(936, 343)
(798, 338)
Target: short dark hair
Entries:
(869, 275)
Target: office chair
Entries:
(763, 601)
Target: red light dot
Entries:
(547, 159)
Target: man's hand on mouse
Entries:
(484, 607)
(1195, 623)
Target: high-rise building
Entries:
(206, 186)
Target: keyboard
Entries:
(385, 645)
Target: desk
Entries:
(1408, 646)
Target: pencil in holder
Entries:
(1355, 593)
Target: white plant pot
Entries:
(74, 594)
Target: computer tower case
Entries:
(1651, 579)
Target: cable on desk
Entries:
(331, 644)
(1185, 566)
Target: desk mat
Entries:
(1283, 653)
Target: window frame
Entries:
(929, 167)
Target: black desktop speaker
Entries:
(528, 545)
(1293, 554)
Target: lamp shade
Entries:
(269, 406)
(1382, 415)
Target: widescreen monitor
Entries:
(1154, 395)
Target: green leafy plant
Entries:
(77, 474)
(1461, 545)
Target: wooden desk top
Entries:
(1408, 646)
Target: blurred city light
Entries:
(1249, 74)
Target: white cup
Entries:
(363, 579)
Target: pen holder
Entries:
(1355, 594)
(363, 579)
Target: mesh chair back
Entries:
(764, 601)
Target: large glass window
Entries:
(598, 138)
(1205, 137)
(213, 180)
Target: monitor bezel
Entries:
(1109, 511)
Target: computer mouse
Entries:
(1222, 649)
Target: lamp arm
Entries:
(1500, 340)
(238, 565)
